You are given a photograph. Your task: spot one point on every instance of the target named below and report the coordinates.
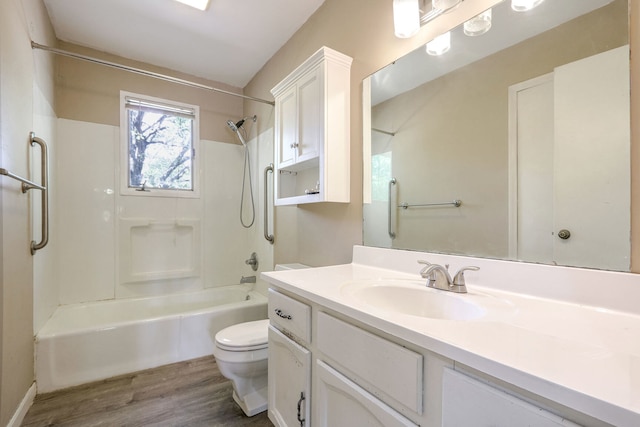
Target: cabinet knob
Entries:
(294, 145)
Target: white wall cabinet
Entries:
(312, 131)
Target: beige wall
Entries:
(20, 73)
(91, 93)
(451, 136)
(323, 234)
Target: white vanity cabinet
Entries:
(312, 133)
(289, 369)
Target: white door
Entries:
(287, 128)
(289, 375)
(566, 134)
(341, 402)
(310, 104)
(592, 161)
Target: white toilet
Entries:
(241, 354)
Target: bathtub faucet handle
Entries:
(252, 261)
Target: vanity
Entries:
(527, 345)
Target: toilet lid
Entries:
(244, 336)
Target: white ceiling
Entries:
(228, 43)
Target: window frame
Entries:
(124, 174)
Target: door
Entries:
(310, 104)
(341, 402)
(566, 133)
(592, 132)
(289, 381)
(287, 128)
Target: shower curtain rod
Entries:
(35, 45)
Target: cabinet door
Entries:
(287, 128)
(310, 120)
(468, 402)
(341, 402)
(289, 381)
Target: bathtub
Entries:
(87, 342)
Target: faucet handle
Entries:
(458, 279)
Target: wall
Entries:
(460, 119)
(323, 234)
(23, 78)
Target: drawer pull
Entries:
(302, 399)
(281, 314)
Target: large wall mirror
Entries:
(514, 144)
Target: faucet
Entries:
(438, 277)
(247, 279)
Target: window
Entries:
(380, 176)
(159, 141)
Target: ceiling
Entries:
(229, 42)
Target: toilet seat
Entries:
(248, 336)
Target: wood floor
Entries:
(191, 393)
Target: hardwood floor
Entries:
(191, 393)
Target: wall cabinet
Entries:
(312, 132)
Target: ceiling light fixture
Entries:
(444, 5)
(406, 18)
(198, 4)
(478, 25)
(440, 44)
(524, 5)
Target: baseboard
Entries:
(21, 412)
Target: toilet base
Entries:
(253, 403)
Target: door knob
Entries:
(564, 234)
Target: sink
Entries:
(414, 298)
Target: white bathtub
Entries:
(87, 342)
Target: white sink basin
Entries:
(413, 298)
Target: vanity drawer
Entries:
(289, 315)
(386, 369)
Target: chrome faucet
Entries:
(438, 277)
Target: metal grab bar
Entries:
(457, 203)
(29, 185)
(392, 234)
(267, 236)
(44, 167)
(26, 184)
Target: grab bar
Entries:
(457, 203)
(26, 184)
(29, 185)
(267, 236)
(44, 167)
(392, 234)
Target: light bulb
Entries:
(524, 5)
(479, 24)
(406, 18)
(440, 44)
(443, 5)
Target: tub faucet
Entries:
(247, 279)
(438, 277)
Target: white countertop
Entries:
(581, 356)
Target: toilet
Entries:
(241, 354)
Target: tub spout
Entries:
(248, 279)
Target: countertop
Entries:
(584, 357)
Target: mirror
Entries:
(526, 127)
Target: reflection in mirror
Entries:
(527, 125)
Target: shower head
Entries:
(234, 127)
(237, 125)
